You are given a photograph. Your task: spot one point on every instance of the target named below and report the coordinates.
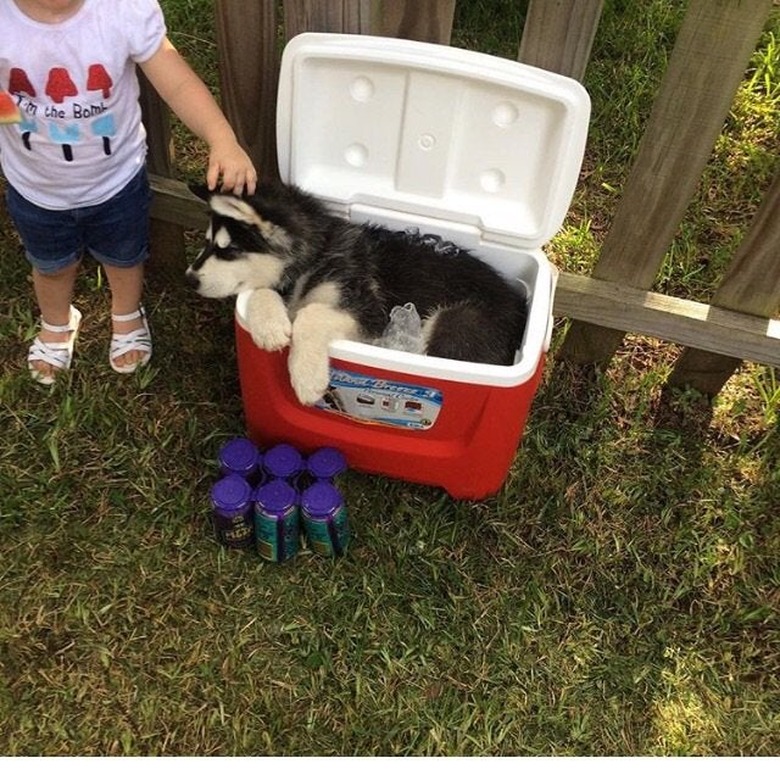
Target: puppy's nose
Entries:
(192, 279)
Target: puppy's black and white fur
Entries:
(315, 277)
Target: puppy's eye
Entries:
(228, 253)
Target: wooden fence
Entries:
(711, 54)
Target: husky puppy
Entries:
(315, 278)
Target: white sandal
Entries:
(57, 354)
(138, 339)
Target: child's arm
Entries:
(186, 94)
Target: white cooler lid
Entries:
(441, 133)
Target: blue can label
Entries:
(328, 535)
(277, 537)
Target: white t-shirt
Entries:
(81, 139)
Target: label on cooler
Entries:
(381, 401)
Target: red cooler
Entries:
(479, 150)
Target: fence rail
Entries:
(710, 56)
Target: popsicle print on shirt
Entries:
(59, 87)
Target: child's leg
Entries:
(53, 247)
(53, 292)
(126, 291)
(117, 235)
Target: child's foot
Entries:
(52, 349)
(131, 342)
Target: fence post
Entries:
(690, 108)
(349, 16)
(751, 285)
(248, 76)
(167, 238)
(558, 36)
(426, 20)
(429, 20)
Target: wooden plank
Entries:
(166, 238)
(752, 281)
(558, 35)
(429, 20)
(246, 36)
(675, 320)
(751, 285)
(703, 370)
(157, 121)
(349, 16)
(426, 20)
(174, 203)
(713, 47)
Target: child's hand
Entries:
(229, 162)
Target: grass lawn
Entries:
(620, 595)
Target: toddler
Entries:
(75, 164)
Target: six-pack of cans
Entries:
(269, 500)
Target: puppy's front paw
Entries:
(309, 375)
(268, 322)
(271, 336)
(316, 326)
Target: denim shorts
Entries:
(115, 232)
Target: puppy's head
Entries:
(243, 250)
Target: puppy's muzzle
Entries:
(192, 278)
(191, 274)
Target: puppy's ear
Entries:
(242, 210)
(234, 207)
(201, 191)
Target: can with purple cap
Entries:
(277, 521)
(283, 461)
(325, 464)
(324, 517)
(240, 456)
(232, 515)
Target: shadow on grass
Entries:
(638, 522)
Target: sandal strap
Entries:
(60, 329)
(56, 354)
(138, 339)
(139, 313)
